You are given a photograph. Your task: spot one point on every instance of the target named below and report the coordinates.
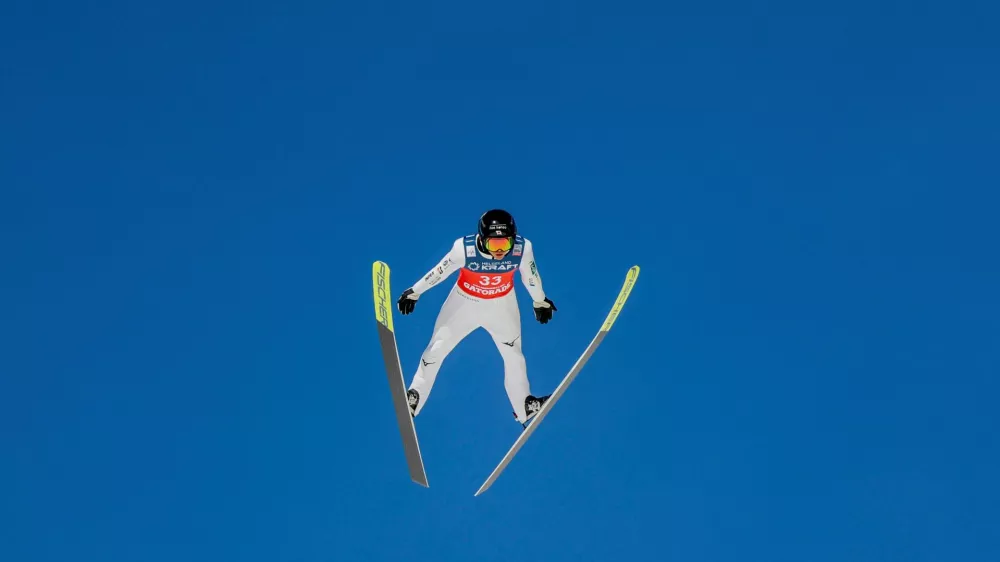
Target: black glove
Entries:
(405, 303)
(544, 313)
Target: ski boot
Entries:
(412, 399)
(532, 406)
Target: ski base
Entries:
(532, 425)
(394, 371)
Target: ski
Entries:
(390, 355)
(630, 278)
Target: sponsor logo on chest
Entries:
(500, 266)
(487, 291)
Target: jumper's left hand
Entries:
(544, 310)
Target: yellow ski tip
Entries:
(380, 288)
(630, 278)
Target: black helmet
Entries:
(497, 223)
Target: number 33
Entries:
(486, 280)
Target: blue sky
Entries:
(191, 197)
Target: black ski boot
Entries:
(532, 406)
(412, 399)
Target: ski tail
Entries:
(626, 290)
(394, 371)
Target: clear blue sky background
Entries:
(193, 194)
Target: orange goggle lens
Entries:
(498, 244)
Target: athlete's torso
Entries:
(487, 278)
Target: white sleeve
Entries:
(453, 261)
(529, 273)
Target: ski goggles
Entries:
(499, 244)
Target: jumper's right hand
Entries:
(407, 301)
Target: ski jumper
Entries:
(482, 297)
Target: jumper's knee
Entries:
(439, 346)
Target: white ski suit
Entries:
(483, 297)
